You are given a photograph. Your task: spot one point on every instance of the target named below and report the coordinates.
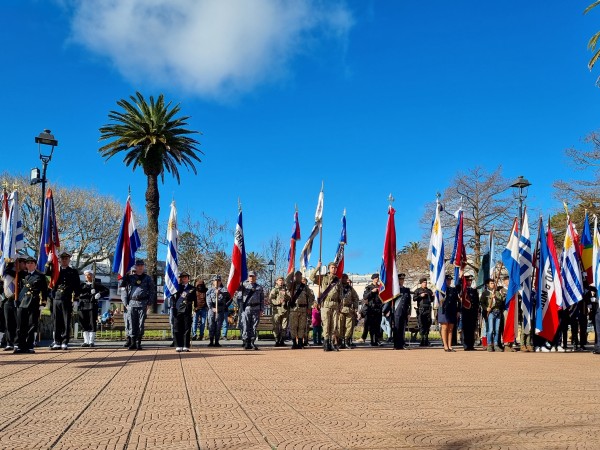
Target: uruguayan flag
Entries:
(172, 270)
(435, 256)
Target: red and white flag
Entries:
(238, 273)
(390, 288)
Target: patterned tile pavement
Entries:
(278, 398)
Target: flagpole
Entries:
(320, 247)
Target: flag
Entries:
(510, 259)
(485, 267)
(11, 236)
(307, 249)
(238, 273)
(390, 288)
(492, 242)
(435, 256)
(570, 267)
(596, 259)
(339, 254)
(295, 237)
(127, 243)
(587, 246)
(50, 242)
(526, 272)
(549, 293)
(172, 269)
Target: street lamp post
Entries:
(520, 192)
(44, 138)
(271, 266)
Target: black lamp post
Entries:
(271, 266)
(44, 138)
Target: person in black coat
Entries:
(373, 312)
(64, 293)
(33, 293)
(90, 293)
(401, 313)
(469, 310)
(447, 314)
(183, 303)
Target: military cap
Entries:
(86, 271)
(216, 278)
(449, 277)
(184, 274)
(469, 277)
(422, 279)
(30, 259)
(251, 273)
(140, 262)
(401, 275)
(506, 277)
(298, 272)
(65, 255)
(374, 276)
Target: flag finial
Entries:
(129, 190)
(322, 185)
(566, 206)
(239, 204)
(296, 207)
(390, 199)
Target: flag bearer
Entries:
(373, 307)
(469, 314)
(32, 294)
(250, 298)
(280, 298)
(138, 292)
(8, 308)
(348, 312)
(329, 304)
(301, 297)
(182, 304)
(64, 293)
(401, 313)
(90, 293)
(423, 296)
(218, 300)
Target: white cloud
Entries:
(213, 48)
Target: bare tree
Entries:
(277, 251)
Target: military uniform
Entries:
(280, 298)
(347, 316)
(424, 299)
(89, 295)
(219, 299)
(8, 308)
(137, 293)
(469, 311)
(182, 304)
(250, 299)
(300, 301)
(401, 313)
(373, 312)
(65, 292)
(330, 307)
(33, 293)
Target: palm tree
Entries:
(152, 138)
(593, 42)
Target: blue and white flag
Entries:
(570, 266)
(526, 271)
(172, 269)
(12, 238)
(307, 249)
(435, 256)
(510, 258)
(127, 243)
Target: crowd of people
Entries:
(464, 316)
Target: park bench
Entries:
(154, 322)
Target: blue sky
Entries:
(371, 97)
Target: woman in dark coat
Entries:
(447, 314)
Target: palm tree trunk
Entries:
(152, 211)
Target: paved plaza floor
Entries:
(278, 398)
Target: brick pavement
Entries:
(276, 398)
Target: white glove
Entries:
(97, 296)
(42, 308)
(75, 305)
(93, 291)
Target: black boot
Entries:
(212, 342)
(325, 345)
(329, 345)
(427, 344)
(350, 344)
(138, 345)
(217, 341)
(172, 343)
(422, 344)
(132, 343)
(343, 345)
(127, 342)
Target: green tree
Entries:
(593, 42)
(151, 137)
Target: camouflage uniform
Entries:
(347, 316)
(330, 305)
(280, 298)
(300, 301)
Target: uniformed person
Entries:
(492, 303)
(90, 293)
(200, 311)
(301, 298)
(64, 293)
(348, 311)
(329, 300)
(137, 293)
(423, 296)
(447, 314)
(373, 307)
(250, 298)
(32, 294)
(280, 298)
(183, 302)
(469, 311)
(8, 309)
(218, 300)
(401, 313)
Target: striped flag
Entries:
(295, 237)
(11, 236)
(549, 293)
(172, 269)
(50, 243)
(570, 267)
(339, 254)
(238, 273)
(127, 243)
(485, 267)
(307, 249)
(587, 246)
(510, 258)
(596, 259)
(459, 254)
(435, 256)
(390, 288)
(526, 271)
